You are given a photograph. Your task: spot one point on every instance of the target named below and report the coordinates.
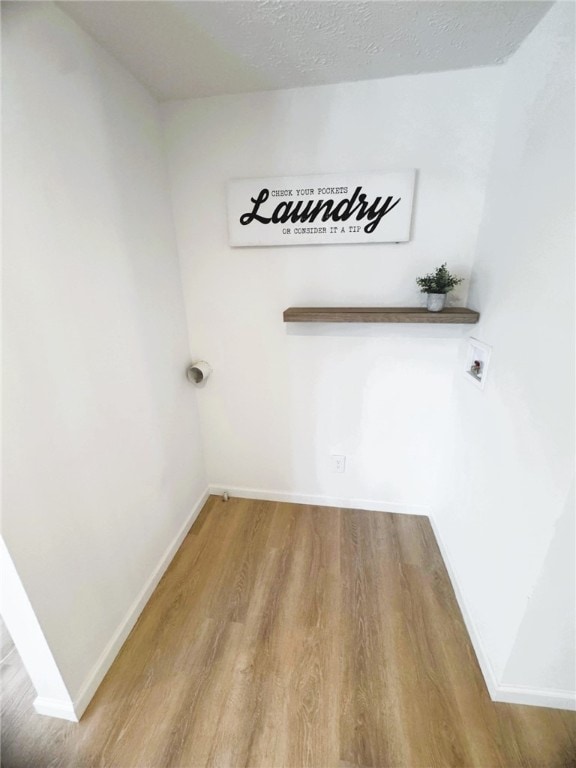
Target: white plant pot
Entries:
(435, 302)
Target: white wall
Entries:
(26, 633)
(281, 400)
(544, 652)
(507, 525)
(102, 462)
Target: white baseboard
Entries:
(55, 708)
(499, 692)
(372, 505)
(111, 650)
(515, 694)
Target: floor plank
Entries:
(291, 636)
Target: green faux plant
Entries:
(440, 281)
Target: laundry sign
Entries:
(308, 210)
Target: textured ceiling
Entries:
(188, 49)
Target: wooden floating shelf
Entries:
(379, 315)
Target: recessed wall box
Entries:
(477, 361)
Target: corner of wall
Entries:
(55, 708)
(507, 694)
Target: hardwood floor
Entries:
(285, 636)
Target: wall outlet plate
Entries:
(477, 362)
(338, 463)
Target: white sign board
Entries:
(305, 210)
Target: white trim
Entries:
(111, 650)
(507, 694)
(371, 505)
(55, 708)
(515, 694)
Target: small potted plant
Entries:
(436, 285)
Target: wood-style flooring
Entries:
(285, 636)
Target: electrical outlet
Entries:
(338, 463)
